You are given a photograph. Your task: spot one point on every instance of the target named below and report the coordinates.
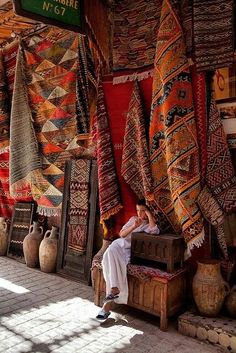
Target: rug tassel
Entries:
(48, 212)
(132, 77)
(197, 241)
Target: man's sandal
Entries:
(110, 298)
(103, 315)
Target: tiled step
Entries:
(220, 331)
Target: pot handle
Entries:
(227, 288)
(41, 230)
(47, 232)
(30, 229)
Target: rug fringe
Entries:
(139, 76)
(196, 241)
(48, 212)
(4, 149)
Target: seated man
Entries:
(117, 257)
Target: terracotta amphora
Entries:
(31, 245)
(230, 302)
(3, 236)
(48, 251)
(209, 288)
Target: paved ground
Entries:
(46, 313)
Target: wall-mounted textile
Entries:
(213, 33)
(79, 205)
(200, 107)
(24, 156)
(6, 201)
(4, 109)
(51, 72)
(109, 196)
(117, 99)
(173, 135)
(135, 26)
(135, 166)
(220, 175)
(86, 85)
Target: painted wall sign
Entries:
(61, 13)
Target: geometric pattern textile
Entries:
(173, 148)
(86, 84)
(52, 61)
(135, 26)
(6, 201)
(213, 33)
(135, 158)
(4, 109)
(220, 176)
(79, 205)
(24, 154)
(200, 106)
(109, 197)
(9, 58)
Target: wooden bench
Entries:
(151, 290)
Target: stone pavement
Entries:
(42, 312)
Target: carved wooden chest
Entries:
(165, 251)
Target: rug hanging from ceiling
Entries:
(86, 85)
(213, 28)
(51, 71)
(200, 107)
(173, 135)
(9, 58)
(109, 196)
(4, 109)
(79, 205)
(220, 175)
(6, 201)
(135, 166)
(24, 157)
(135, 26)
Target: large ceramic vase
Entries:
(230, 302)
(3, 236)
(209, 288)
(31, 245)
(48, 251)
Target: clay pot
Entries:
(48, 251)
(3, 237)
(230, 302)
(31, 245)
(209, 288)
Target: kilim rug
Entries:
(24, 157)
(213, 33)
(6, 202)
(86, 84)
(220, 175)
(79, 205)
(4, 109)
(200, 107)
(51, 60)
(135, 26)
(109, 196)
(9, 57)
(135, 166)
(173, 136)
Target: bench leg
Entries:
(164, 305)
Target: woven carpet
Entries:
(51, 71)
(220, 176)
(4, 109)
(173, 135)
(24, 158)
(79, 205)
(213, 33)
(200, 107)
(9, 57)
(109, 196)
(86, 84)
(135, 166)
(6, 201)
(135, 27)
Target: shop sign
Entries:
(61, 13)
